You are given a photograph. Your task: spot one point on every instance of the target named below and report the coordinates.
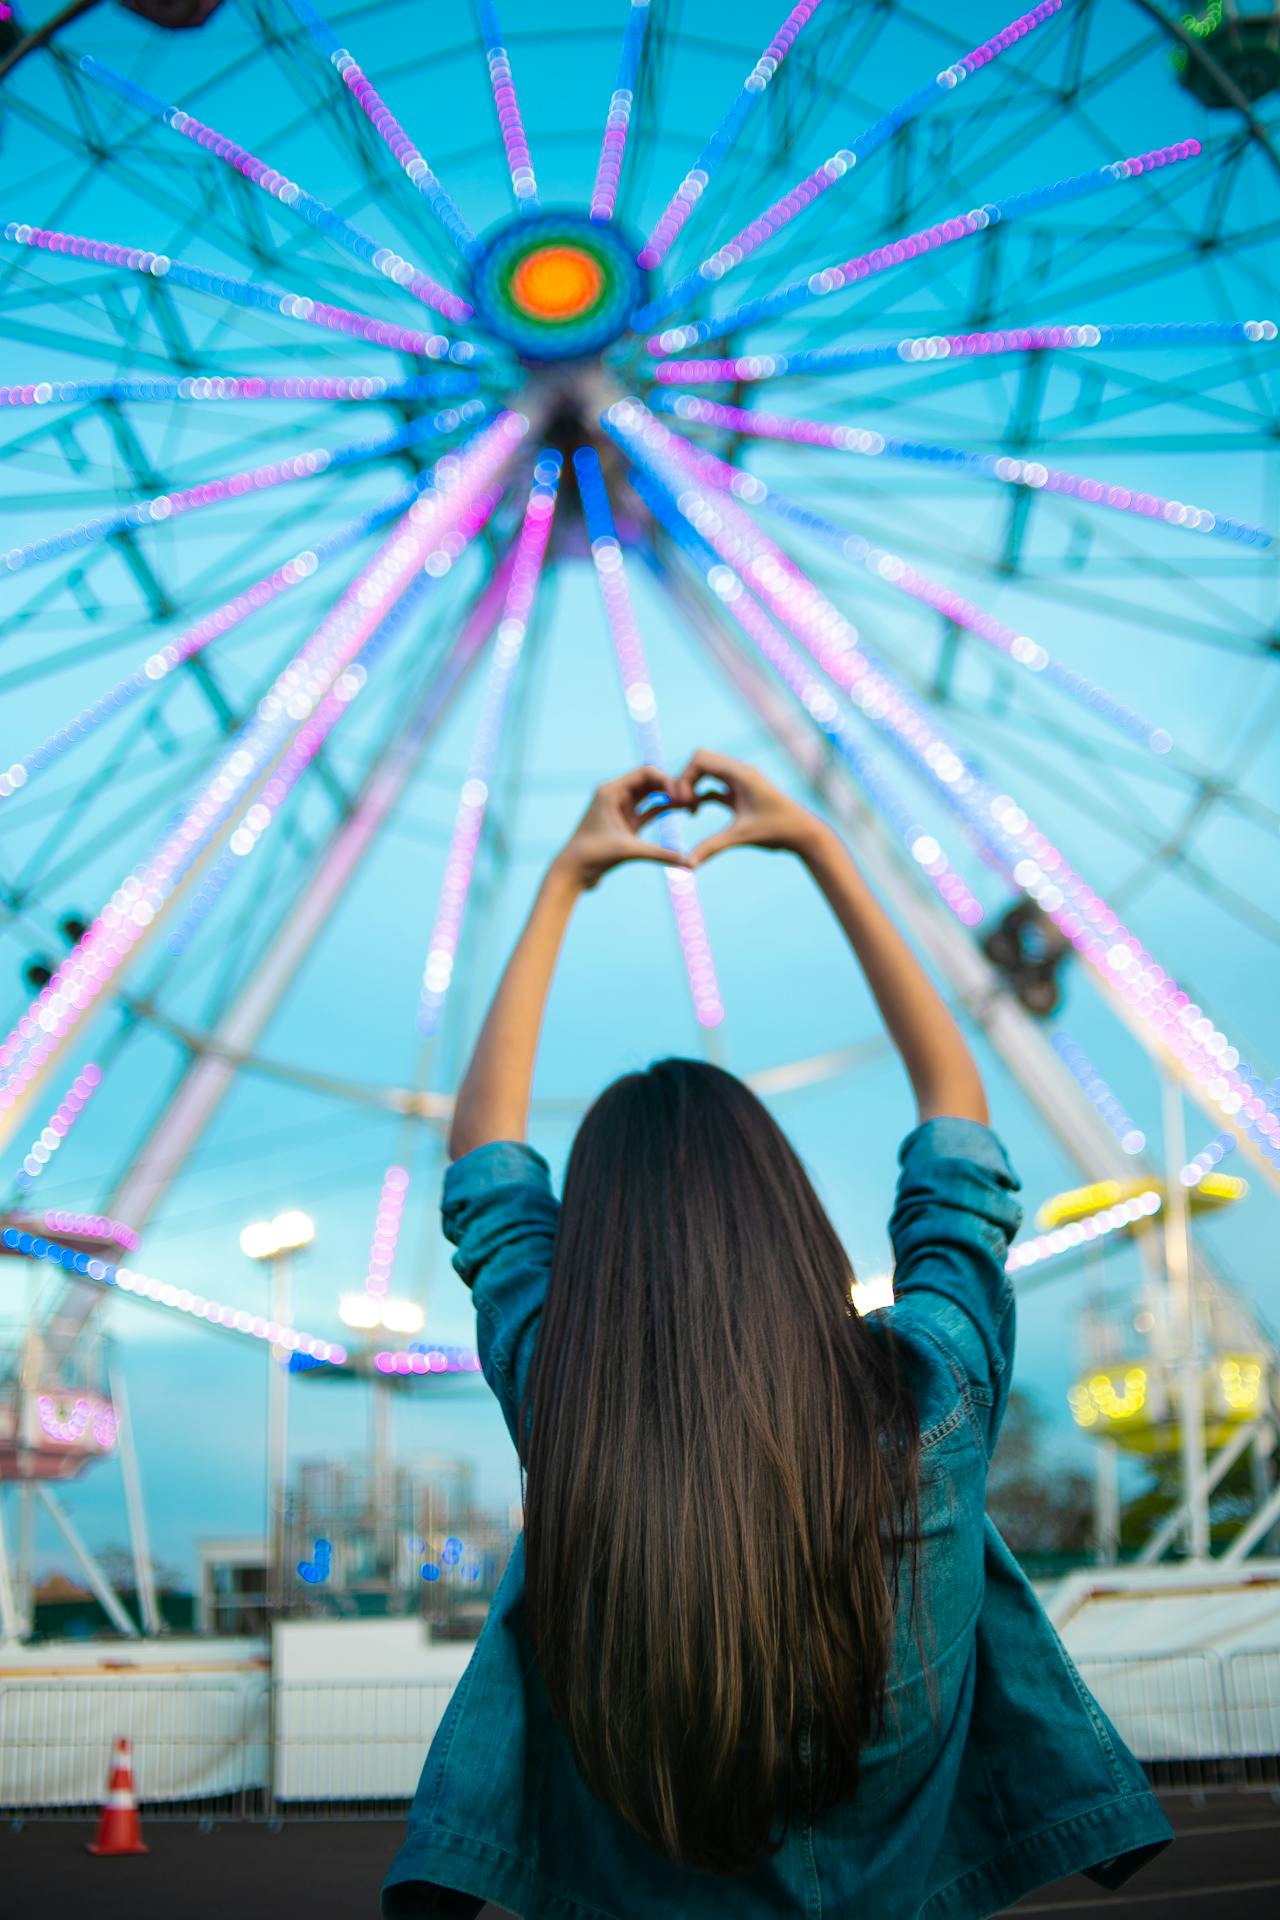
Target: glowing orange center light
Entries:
(556, 283)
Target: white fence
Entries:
(239, 1747)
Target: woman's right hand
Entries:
(763, 816)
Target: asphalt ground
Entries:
(1226, 1866)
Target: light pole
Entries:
(276, 1241)
(365, 1313)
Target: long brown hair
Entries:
(721, 1468)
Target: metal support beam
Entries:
(1173, 1523)
(10, 1622)
(103, 1590)
(1260, 1525)
(144, 1572)
(1184, 1305)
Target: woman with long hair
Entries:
(758, 1652)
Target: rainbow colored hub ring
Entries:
(557, 286)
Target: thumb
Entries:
(665, 856)
(718, 843)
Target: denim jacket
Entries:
(995, 1774)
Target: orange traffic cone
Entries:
(119, 1829)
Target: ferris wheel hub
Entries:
(557, 285)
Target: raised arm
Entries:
(493, 1100)
(942, 1071)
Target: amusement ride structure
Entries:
(281, 452)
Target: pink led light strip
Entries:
(514, 141)
(604, 195)
(409, 158)
(928, 348)
(384, 260)
(642, 706)
(1147, 997)
(897, 573)
(473, 801)
(99, 1226)
(246, 293)
(1082, 1233)
(461, 482)
(695, 183)
(386, 1231)
(60, 1122)
(844, 160)
(234, 486)
(1032, 474)
(224, 619)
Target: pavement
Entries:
(1226, 1866)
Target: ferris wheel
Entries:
(927, 382)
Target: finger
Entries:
(638, 782)
(665, 856)
(718, 843)
(720, 796)
(718, 765)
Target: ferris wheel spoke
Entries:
(737, 555)
(1005, 469)
(932, 350)
(895, 572)
(604, 193)
(691, 189)
(350, 389)
(766, 224)
(412, 162)
(642, 710)
(308, 680)
(524, 185)
(243, 293)
(234, 486)
(224, 619)
(513, 625)
(913, 246)
(384, 260)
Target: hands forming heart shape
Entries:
(609, 833)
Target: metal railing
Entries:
(214, 1749)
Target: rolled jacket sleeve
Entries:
(953, 1219)
(499, 1211)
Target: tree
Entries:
(1039, 1505)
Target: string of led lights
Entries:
(642, 710)
(668, 226)
(1144, 993)
(201, 387)
(473, 800)
(58, 1126)
(604, 194)
(895, 572)
(162, 1293)
(930, 348)
(838, 167)
(1004, 468)
(241, 293)
(444, 518)
(225, 619)
(515, 145)
(910, 246)
(164, 507)
(411, 160)
(384, 260)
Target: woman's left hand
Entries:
(609, 831)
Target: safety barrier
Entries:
(240, 1748)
